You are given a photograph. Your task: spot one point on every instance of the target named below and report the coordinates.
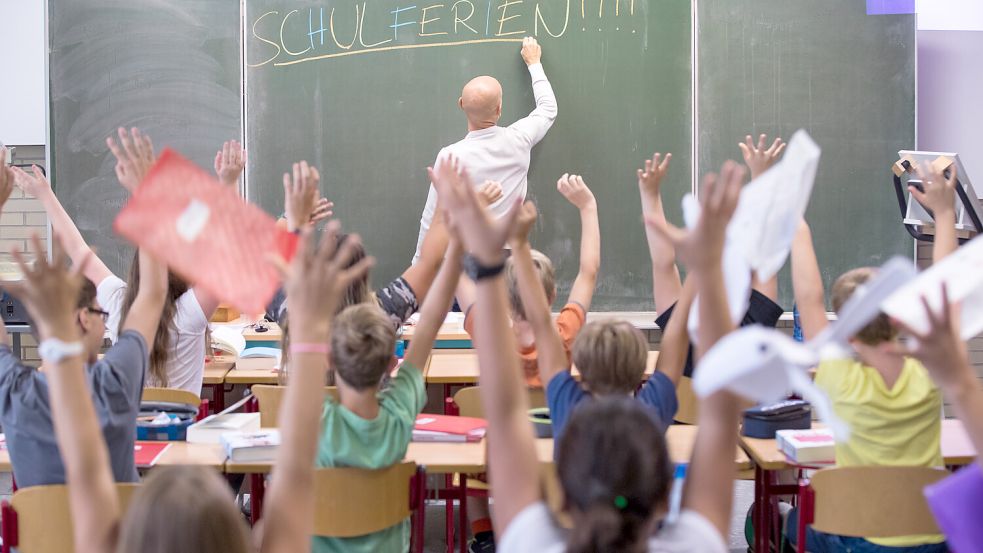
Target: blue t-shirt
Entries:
(564, 393)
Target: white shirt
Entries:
(186, 360)
(500, 154)
(534, 531)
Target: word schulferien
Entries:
(293, 36)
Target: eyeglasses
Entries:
(104, 314)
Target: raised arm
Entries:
(577, 193)
(939, 196)
(944, 354)
(807, 283)
(49, 291)
(709, 483)
(435, 307)
(535, 125)
(552, 358)
(759, 158)
(7, 177)
(513, 465)
(666, 283)
(420, 275)
(315, 283)
(37, 185)
(674, 346)
(229, 162)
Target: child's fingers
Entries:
(356, 271)
(127, 142)
(18, 256)
(761, 142)
(745, 151)
(778, 151)
(665, 162)
(115, 149)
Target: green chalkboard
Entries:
(774, 66)
(373, 117)
(170, 68)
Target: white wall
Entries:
(22, 52)
(950, 15)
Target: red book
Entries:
(206, 233)
(146, 453)
(444, 428)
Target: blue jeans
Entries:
(819, 542)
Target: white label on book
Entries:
(192, 220)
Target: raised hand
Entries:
(940, 192)
(134, 157)
(703, 245)
(524, 222)
(300, 191)
(941, 349)
(35, 184)
(7, 177)
(490, 192)
(481, 235)
(323, 209)
(317, 280)
(531, 51)
(759, 158)
(229, 162)
(576, 191)
(650, 177)
(49, 291)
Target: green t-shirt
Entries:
(348, 440)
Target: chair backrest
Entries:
(270, 397)
(171, 395)
(354, 502)
(468, 401)
(689, 404)
(43, 522)
(872, 501)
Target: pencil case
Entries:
(764, 420)
(151, 423)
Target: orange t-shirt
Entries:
(568, 324)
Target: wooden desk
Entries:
(272, 334)
(179, 453)
(457, 366)
(253, 371)
(449, 331)
(957, 449)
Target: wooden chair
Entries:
(467, 401)
(867, 501)
(176, 395)
(354, 502)
(269, 399)
(37, 519)
(689, 404)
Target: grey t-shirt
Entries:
(116, 382)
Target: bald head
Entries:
(481, 101)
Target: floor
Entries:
(434, 540)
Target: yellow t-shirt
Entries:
(900, 426)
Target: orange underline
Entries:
(403, 47)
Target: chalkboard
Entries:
(171, 68)
(774, 66)
(369, 94)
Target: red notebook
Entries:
(444, 428)
(146, 453)
(206, 233)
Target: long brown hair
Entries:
(159, 353)
(183, 508)
(613, 497)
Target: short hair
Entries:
(547, 277)
(878, 330)
(363, 341)
(611, 356)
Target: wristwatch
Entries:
(476, 271)
(54, 350)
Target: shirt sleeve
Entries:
(563, 393)
(398, 300)
(533, 127)
(569, 322)
(407, 392)
(533, 530)
(127, 362)
(659, 395)
(11, 369)
(110, 294)
(189, 318)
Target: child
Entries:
(666, 283)
(369, 428)
(177, 356)
(115, 382)
(574, 313)
(611, 355)
(887, 398)
(209, 522)
(612, 461)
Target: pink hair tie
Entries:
(323, 349)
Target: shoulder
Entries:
(189, 315)
(11, 367)
(108, 289)
(573, 314)
(130, 348)
(533, 530)
(563, 384)
(691, 532)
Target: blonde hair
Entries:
(878, 330)
(362, 344)
(183, 508)
(611, 356)
(547, 277)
